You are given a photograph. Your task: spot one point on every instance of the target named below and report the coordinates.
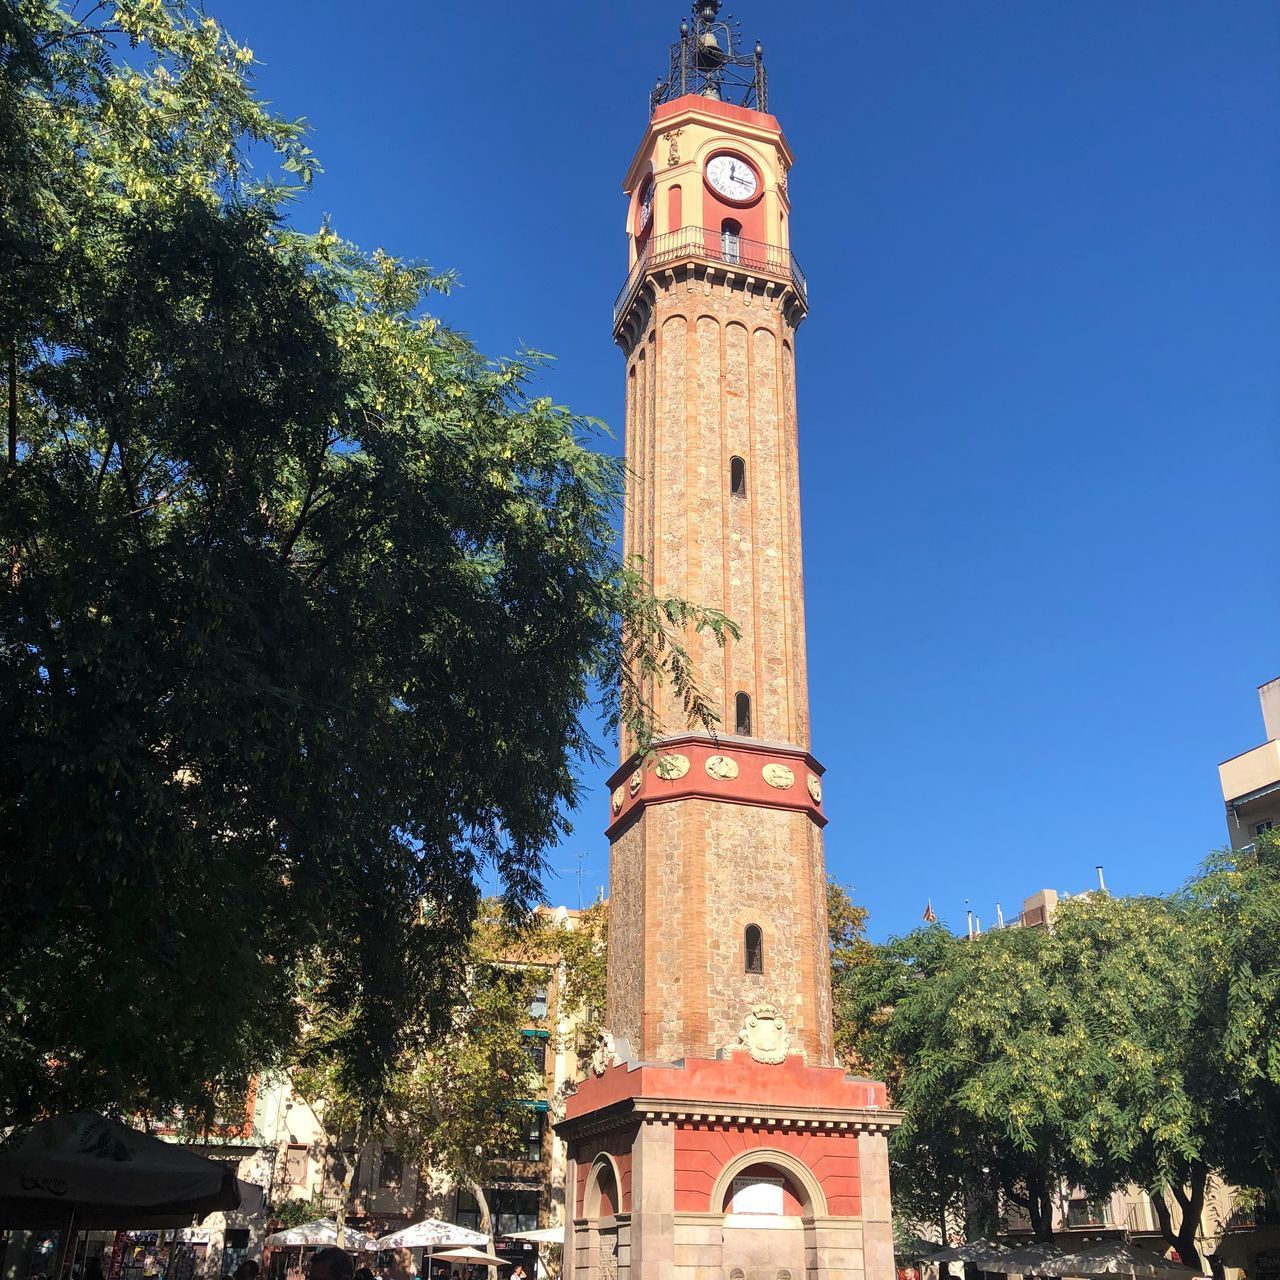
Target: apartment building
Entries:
(1251, 781)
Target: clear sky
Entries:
(1039, 385)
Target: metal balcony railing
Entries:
(708, 245)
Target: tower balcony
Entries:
(732, 254)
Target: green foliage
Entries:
(456, 1097)
(584, 979)
(1239, 892)
(293, 1213)
(303, 597)
(1128, 1044)
(849, 949)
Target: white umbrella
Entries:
(543, 1235)
(1115, 1258)
(322, 1233)
(1032, 1259)
(472, 1255)
(431, 1233)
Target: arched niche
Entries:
(603, 1196)
(802, 1193)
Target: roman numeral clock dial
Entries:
(732, 177)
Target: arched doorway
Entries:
(768, 1201)
(607, 1242)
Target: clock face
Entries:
(732, 177)
(646, 206)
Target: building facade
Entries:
(1251, 781)
(716, 1134)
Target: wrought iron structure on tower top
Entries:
(705, 60)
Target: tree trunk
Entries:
(486, 1219)
(347, 1178)
(13, 403)
(1191, 1206)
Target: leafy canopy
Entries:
(303, 597)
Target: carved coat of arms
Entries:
(764, 1035)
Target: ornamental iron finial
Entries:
(706, 60)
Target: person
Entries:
(364, 1273)
(332, 1264)
(247, 1270)
(519, 1273)
(401, 1265)
(93, 1269)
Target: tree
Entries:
(1135, 971)
(458, 1097)
(1238, 890)
(584, 987)
(849, 949)
(304, 598)
(981, 1051)
(1097, 1053)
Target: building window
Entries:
(467, 1211)
(534, 1130)
(512, 1209)
(753, 940)
(1260, 827)
(535, 1045)
(742, 715)
(538, 1001)
(1083, 1212)
(295, 1164)
(737, 477)
(731, 241)
(391, 1174)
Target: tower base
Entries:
(728, 1169)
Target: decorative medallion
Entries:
(634, 784)
(764, 1035)
(722, 767)
(669, 768)
(603, 1056)
(618, 797)
(815, 789)
(778, 775)
(672, 139)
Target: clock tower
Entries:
(717, 1135)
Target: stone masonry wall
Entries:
(713, 378)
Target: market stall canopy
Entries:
(976, 1251)
(914, 1249)
(543, 1235)
(431, 1233)
(470, 1255)
(105, 1174)
(1031, 1259)
(322, 1233)
(1115, 1258)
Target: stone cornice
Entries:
(631, 1111)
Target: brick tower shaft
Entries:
(717, 882)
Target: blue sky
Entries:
(1039, 387)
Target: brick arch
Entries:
(784, 1162)
(594, 1194)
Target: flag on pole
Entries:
(929, 915)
